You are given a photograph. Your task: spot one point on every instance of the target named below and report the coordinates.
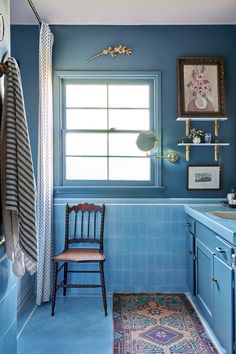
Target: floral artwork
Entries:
(201, 87)
(201, 94)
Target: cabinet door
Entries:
(223, 304)
(204, 284)
(190, 262)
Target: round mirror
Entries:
(147, 140)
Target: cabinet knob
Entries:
(214, 280)
(220, 250)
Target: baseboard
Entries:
(25, 298)
(206, 326)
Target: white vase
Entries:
(196, 140)
(200, 102)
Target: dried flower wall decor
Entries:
(201, 87)
(113, 52)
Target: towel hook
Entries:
(3, 66)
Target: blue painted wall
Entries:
(154, 48)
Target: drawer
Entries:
(223, 250)
(206, 236)
(190, 225)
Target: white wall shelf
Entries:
(203, 144)
(216, 148)
(216, 121)
(202, 119)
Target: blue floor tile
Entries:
(79, 326)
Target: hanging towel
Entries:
(17, 178)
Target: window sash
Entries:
(62, 78)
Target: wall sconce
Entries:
(147, 141)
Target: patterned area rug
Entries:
(157, 323)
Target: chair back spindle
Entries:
(86, 218)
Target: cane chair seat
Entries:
(80, 255)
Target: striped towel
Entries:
(18, 183)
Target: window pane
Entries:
(129, 169)
(124, 145)
(129, 119)
(88, 168)
(86, 119)
(128, 96)
(86, 96)
(86, 144)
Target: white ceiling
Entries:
(122, 12)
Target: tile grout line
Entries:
(26, 322)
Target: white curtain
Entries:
(45, 166)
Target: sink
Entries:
(230, 215)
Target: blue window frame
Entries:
(97, 118)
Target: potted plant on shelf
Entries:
(195, 136)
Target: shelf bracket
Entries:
(187, 127)
(217, 126)
(187, 152)
(216, 152)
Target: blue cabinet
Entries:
(215, 284)
(204, 276)
(223, 303)
(190, 253)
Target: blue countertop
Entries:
(223, 227)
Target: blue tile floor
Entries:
(78, 327)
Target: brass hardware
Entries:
(3, 66)
(187, 127)
(113, 52)
(194, 258)
(2, 242)
(214, 280)
(171, 157)
(187, 152)
(217, 126)
(216, 152)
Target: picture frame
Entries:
(201, 87)
(201, 177)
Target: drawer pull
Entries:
(189, 224)
(214, 280)
(190, 252)
(220, 250)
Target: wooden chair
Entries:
(84, 225)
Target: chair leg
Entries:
(54, 289)
(65, 278)
(104, 297)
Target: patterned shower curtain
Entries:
(45, 166)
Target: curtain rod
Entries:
(31, 4)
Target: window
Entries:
(101, 117)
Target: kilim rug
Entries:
(157, 323)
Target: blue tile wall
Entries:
(8, 306)
(144, 244)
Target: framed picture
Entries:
(201, 87)
(203, 177)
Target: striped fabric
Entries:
(18, 184)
